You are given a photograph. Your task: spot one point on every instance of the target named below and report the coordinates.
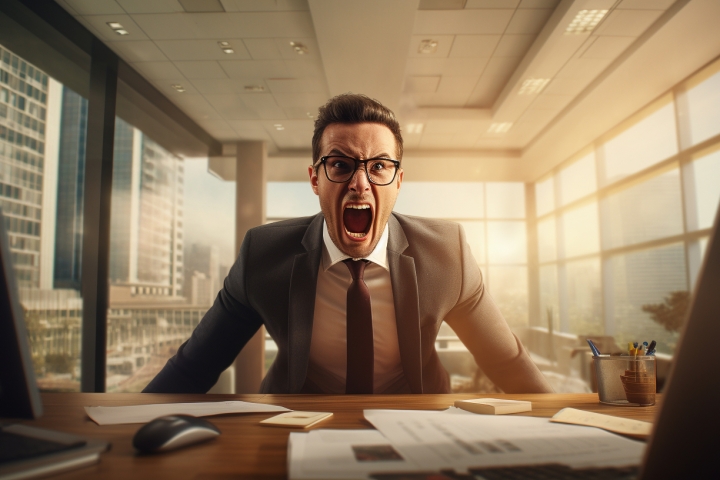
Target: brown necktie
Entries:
(360, 355)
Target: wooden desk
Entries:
(245, 449)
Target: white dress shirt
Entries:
(328, 347)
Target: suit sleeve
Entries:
(481, 327)
(216, 341)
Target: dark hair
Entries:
(354, 108)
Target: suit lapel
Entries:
(303, 283)
(407, 308)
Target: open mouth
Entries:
(357, 220)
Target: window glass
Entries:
(703, 108)
(475, 236)
(704, 194)
(545, 196)
(458, 200)
(549, 306)
(644, 284)
(547, 242)
(578, 179)
(43, 126)
(507, 242)
(171, 243)
(509, 288)
(291, 199)
(652, 139)
(646, 211)
(584, 297)
(581, 235)
(505, 200)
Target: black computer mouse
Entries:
(173, 431)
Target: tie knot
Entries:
(357, 268)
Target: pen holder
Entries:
(626, 380)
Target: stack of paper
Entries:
(414, 441)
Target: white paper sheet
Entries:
(341, 454)
(145, 413)
(440, 440)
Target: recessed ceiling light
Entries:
(228, 50)
(533, 85)
(121, 31)
(299, 48)
(254, 88)
(500, 127)
(278, 126)
(226, 47)
(178, 87)
(428, 46)
(310, 115)
(415, 127)
(114, 25)
(224, 44)
(585, 21)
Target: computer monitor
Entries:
(19, 396)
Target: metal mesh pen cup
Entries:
(626, 380)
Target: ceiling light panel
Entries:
(414, 128)
(182, 50)
(430, 46)
(299, 48)
(531, 86)
(201, 6)
(500, 127)
(585, 22)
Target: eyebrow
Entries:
(335, 151)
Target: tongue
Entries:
(357, 221)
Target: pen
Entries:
(651, 348)
(594, 349)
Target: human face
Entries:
(357, 211)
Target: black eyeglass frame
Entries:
(396, 163)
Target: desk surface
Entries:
(246, 449)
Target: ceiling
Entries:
(498, 88)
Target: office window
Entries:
(646, 211)
(507, 242)
(505, 200)
(475, 237)
(508, 286)
(578, 179)
(584, 297)
(549, 314)
(454, 200)
(547, 240)
(703, 189)
(651, 139)
(580, 231)
(291, 199)
(699, 106)
(43, 125)
(545, 196)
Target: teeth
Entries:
(356, 235)
(358, 207)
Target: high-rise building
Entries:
(146, 219)
(23, 102)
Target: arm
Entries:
(217, 339)
(483, 330)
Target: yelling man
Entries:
(355, 295)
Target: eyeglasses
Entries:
(379, 171)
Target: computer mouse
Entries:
(173, 431)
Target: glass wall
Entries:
(618, 256)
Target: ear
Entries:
(400, 174)
(313, 179)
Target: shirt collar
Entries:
(333, 255)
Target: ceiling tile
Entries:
(456, 67)
(607, 47)
(202, 49)
(474, 45)
(460, 86)
(95, 7)
(630, 23)
(287, 50)
(427, 84)
(201, 69)
(496, 74)
(445, 43)
(157, 70)
(538, 4)
(645, 4)
(196, 106)
(551, 102)
(441, 4)
(297, 85)
(264, 105)
(565, 86)
(471, 4)
(461, 21)
(100, 23)
(231, 107)
(165, 86)
(528, 21)
(226, 85)
(138, 51)
(300, 113)
(153, 6)
(309, 101)
(514, 45)
(226, 25)
(255, 68)
(264, 5)
(263, 48)
(249, 129)
(304, 68)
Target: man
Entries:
(354, 296)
